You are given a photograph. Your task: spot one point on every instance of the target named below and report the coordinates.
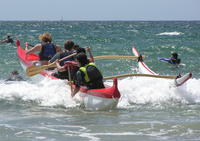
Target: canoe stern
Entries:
(100, 99)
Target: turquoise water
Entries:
(149, 109)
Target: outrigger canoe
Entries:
(143, 68)
(93, 99)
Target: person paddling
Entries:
(7, 40)
(61, 66)
(79, 49)
(88, 75)
(46, 48)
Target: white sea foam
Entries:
(171, 33)
(151, 90)
(33, 30)
(46, 93)
(135, 90)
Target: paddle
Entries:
(33, 70)
(70, 78)
(143, 75)
(116, 57)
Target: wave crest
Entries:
(171, 33)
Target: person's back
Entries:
(88, 74)
(93, 77)
(47, 52)
(62, 68)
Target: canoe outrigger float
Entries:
(143, 68)
(93, 99)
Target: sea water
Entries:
(149, 108)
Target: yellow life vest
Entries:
(83, 69)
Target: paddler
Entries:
(61, 66)
(46, 48)
(79, 49)
(88, 75)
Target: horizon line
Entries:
(97, 20)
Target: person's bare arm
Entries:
(59, 67)
(75, 91)
(37, 47)
(90, 53)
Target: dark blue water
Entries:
(149, 109)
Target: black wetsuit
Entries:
(94, 80)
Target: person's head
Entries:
(68, 45)
(78, 49)
(82, 59)
(175, 55)
(14, 72)
(45, 37)
(8, 36)
(75, 47)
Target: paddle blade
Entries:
(33, 70)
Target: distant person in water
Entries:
(14, 76)
(174, 59)
(7, 40)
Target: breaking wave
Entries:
(135, 90)
(171, 33)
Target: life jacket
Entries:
(91, 73)
(48, 51)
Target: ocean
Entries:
(149, 108)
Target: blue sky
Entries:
(100, 9)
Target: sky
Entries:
(69, 10)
